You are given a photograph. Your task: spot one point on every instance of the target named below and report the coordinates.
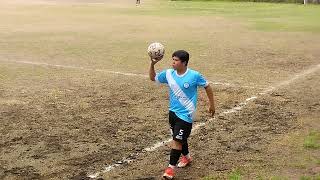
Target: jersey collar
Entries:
(182, 74)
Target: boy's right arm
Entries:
(152, 72)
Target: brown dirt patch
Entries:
(73, 122)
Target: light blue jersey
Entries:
(183, 91)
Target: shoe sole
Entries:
(184, 165)
(166, 177)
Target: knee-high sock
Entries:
(185, 149)
(174, 156)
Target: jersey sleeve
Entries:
(161, 77)
(201, 81)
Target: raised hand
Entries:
(155, 60)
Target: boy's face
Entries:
(176, 63)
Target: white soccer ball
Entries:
(156, 50)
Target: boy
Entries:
(183, 83)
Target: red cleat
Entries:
(168, 173)
(184, 161)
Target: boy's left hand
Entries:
(211, 110)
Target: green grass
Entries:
(316, 177)
(305, 178)
(273, 1)
(235, 175)
(210, 178)
(278, 178)
(312, 141)
(263, 16)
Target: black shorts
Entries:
(180, 129)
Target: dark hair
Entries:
(182, 55)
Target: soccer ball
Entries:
(156, 50)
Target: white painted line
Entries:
(240, 105)
(162, 143)
(157, 145)
(295, 77)
(110, 167)
(198, 126)
(77, 67)
(114, 72)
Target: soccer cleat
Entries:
(168, 173)
(184, 161)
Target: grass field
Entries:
(74, 96)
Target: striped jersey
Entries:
(183, 91)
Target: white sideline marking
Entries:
(162, 143)
(157, 145)
(115, 72)
(234, 109)
(77, 67)
(295, 77)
